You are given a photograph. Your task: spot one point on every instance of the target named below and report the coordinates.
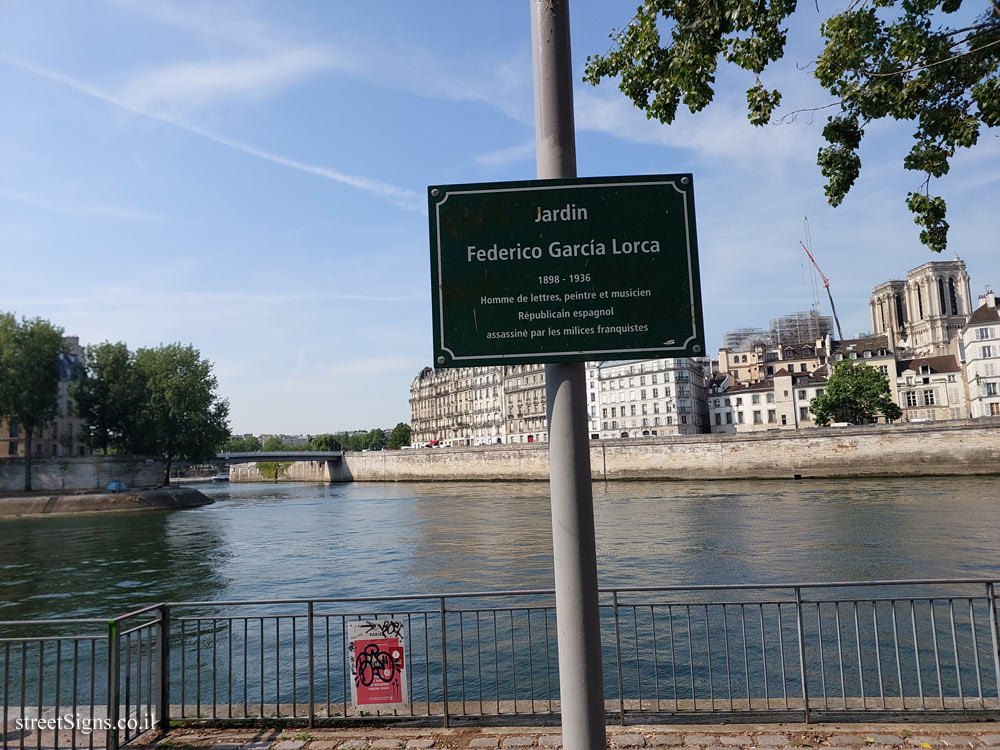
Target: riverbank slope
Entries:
(43, 504)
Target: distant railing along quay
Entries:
(868, 651)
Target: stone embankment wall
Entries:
(944, 448)
(82, 473)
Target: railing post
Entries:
(444, 664)
(992, 599)
(618, 661)
(114, 685)
(163, 670)
(802, 653)
(311, 669)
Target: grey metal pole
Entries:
(581, 683)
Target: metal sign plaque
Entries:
(565, 270)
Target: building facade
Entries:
(66, 434)
(507, 404)
(930, 388)
(980, 347)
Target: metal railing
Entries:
(816, 651)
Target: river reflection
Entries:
(300, 540)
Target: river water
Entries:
(312, 540)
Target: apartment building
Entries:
(979, 343)
(459, 406)
(929, 388)
(66, 435)
(779, 403)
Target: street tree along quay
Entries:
(29, 377)
(401, 435)
(855, 393)
(887, 59)
(158, 401)
(109, 394)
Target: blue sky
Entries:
(250, 177)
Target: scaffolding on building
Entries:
(743, 339)
(801, 327)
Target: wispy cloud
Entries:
(187, 85)
(719, 131)
(402, 197)
(82, 208)
(506, 155)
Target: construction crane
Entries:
(826, 283)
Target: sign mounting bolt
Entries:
(696, 348)
(435, 192)
(685, 180)
(440, 360)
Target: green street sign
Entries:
(573, 270)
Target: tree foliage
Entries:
(29, 377)
(158, 401)
(881, 59)
(400, 436)
(325, 442)
(855, 393)
(109, 394)
(242, 445)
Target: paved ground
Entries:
(978, 736)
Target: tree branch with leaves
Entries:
(881, 59)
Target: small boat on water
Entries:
(222, 476)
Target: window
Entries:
(984, 333)
(928, 398)
(642, 381)
(771, 416)
(804, 413)
(739, 417)
(884, 369)
(991, 389)
(770, 369)
(656, 407)
(643, 408)
(951, 378)
(593, 396)
(802, 394)
(642, 394)
(718, 418)
(987, 351)
(770, 398)
(756, 398)
(911, 398)
(653, 379)
(784, 419)
(604, 412)
(12, 448)
(756, 417)
(995, 409)
(729, 417)
(739, 402)
(656, 393)
(633, 409)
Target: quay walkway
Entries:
(910, 736)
